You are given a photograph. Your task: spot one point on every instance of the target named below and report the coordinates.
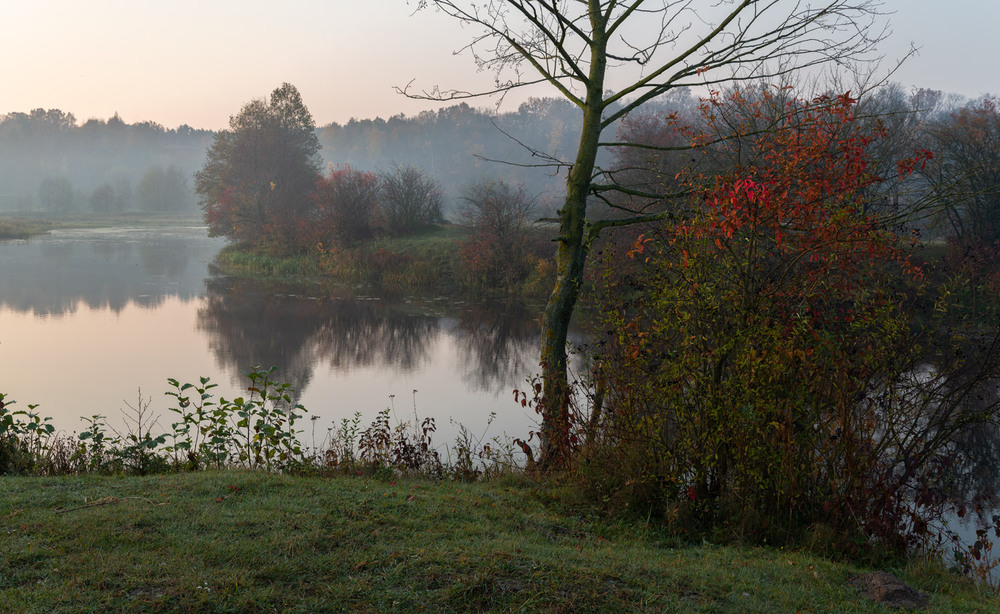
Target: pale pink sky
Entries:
(198, 61)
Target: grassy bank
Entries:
(258, 542)
(20, 228)
(25, 227)
(145, 220)
(425, 261)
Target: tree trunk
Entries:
(571, 256)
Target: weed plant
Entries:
(261, 430)
(23, 437)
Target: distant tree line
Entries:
(262, 185)
(103, 162)
(51, 163)
(456, 146)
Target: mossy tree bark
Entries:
(571, 258)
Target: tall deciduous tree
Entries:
(968, 144)
(255, 185)
(610, 57)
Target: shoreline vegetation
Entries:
(21, 228)
(210, 517)
(428, 260)
(253, 541)
(420, 261)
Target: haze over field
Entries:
(197, 63)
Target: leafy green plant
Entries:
(194, 406)
(92, 447)
(23, 436)
(257, 430)
(265, 430)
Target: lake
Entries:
(88, 317)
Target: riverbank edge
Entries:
(260, 542)
(20, 227)
(427, 261)
(17, 228)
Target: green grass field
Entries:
(255, 542)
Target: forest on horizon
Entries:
(50, 163)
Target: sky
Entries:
(197, 62)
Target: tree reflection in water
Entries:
(251, 323)
(102, 269)
(976, 474)
(498, 345)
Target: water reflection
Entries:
(249, 326)
(498, 345)
(250, 323)
(962, 386)
(103, 269)
(112, 310)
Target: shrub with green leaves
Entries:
(23, 437)
(257, 430)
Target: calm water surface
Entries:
(89, 317)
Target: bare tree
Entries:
(501, 209)
(408, 200)
(501, 216)
(610, 57)
(967, 144)
(345, 202)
